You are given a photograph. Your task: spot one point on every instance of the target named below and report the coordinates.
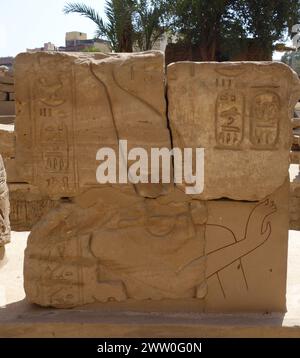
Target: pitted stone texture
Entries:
(110, 246)
(153, 242)
(241, 114)
(27, 206)
(71, 105)
(4, 207)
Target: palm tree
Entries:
(150, 22)
(119, 26)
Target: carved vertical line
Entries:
(74, 127)
(218, 276)
(32, 115)
(111, 111)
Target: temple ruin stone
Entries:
(69, 105)
(240, 113)
(4, 211)
(220, 251)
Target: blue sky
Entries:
(29, 23)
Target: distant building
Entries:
(73, 36)
(162, 42)
(77, 41)
(48, 46)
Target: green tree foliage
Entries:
(213, 24)
(201, 23)
(268, 20)
(128, 21)
(151, 21)
(118, 28)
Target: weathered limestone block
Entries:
(241, 114)
(7, 108)
(108, 245)
(4, 207)
(258, 233)
(7, 144)
(71, 105)
(27, 206)
(6, 87)
(12, 172)
(6, 78)
(3, 96)
(154, 243)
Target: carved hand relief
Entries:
(145, 250)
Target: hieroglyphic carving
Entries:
(232, 110)
(27, 205)
(108, 243)
(54, 168)
(51, 92)
(54, 139)
(265, 117)
(79, 103)
(229, 119)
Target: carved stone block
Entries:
(111, 246)
(7, 144)
(27, 206)
(153, 242)
(71, 105)
(241, 114)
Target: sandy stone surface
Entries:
(241, 114)
(137, 242)
(19, 319)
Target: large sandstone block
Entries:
(241, 114)
(4, 96)
(105, 243)
(6, 87)
(219, 256)
(7, 143)
(258, 234)
(71, 105)
(13, 174)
